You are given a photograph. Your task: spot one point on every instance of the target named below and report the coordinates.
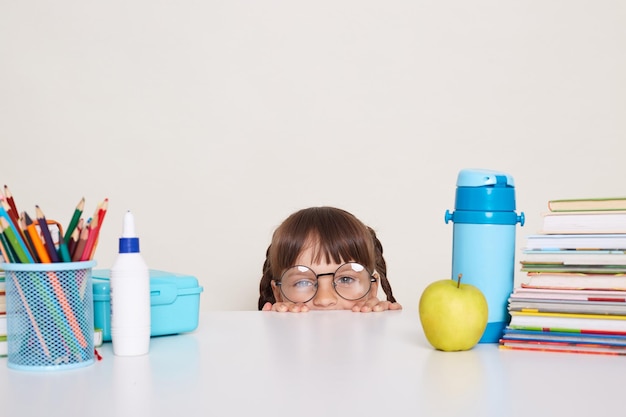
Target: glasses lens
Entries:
(352, 281)
(298, 284)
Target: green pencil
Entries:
(75, 217)
(64, 252)
(8, 232)
(7, 248)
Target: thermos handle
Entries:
(521, 219)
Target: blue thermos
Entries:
(483, 247)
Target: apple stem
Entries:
(458, 281)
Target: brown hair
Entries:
(339, 237)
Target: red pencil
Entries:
(15, 217)
(104, 206)
(91, 239)
(9, 198)
(101, 213)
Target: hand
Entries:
(283, 307)
(375, 305)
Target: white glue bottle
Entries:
(130, 296)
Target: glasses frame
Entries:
(334, 284)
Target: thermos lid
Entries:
(484, 196)
(484, 190)
(483, 177)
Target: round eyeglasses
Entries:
(351, 281)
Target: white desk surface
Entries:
(336, 363)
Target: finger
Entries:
(283, 307)
(387, 305)
(373, 304)
(267, 307)
(360, 306)
(295, 308)
(382, 306)
(280, 307)
(367, 305)
(298, 308)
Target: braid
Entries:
(265, 288)
(381, 267)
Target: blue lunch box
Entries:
(174, 300)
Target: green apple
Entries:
(453, 315)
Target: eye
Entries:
(303, 284)
(344, 281)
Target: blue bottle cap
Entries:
(129, 245)
(485, 190)
(484, 196)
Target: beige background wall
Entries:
(213, 120)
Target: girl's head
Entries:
(322, 238)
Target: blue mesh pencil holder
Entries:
(49, 315)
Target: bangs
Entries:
(340, 246)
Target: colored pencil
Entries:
(14, 220)
(78, 211)
(64, 252)
(7, 254)
(13, 240)
(81, 224)
(9, 197)
(28, 238)
(80, 246)
(101, 214)
(47, 237)
(9, 210)
(79, 228)
(91, 239)
(71, 245)
(37, 243)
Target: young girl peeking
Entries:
(324, 258)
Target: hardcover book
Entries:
(575, 307)
(588, 204)
(571, 337)
(586, 323)
(576, 241)
(564, 294)
(594, 222)
(574, 257)
(563, 347)
(581, 269)
(575, 281)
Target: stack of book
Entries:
(574, 296)
(3, 315)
